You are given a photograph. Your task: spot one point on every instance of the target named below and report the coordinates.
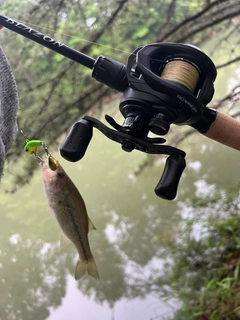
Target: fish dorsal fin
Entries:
(64, 241)
(90, 225)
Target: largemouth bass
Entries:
(70, 211)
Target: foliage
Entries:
(205, 273)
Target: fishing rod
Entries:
(162, 84)
(46, 41)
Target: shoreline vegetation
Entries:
(206, 272)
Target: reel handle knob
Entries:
(168, 184)
(75, 145)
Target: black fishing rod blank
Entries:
(106, 70)
(46, 41)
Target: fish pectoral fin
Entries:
(52, 213)
(64, 241)
(91, 225)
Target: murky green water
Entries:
(36, 277)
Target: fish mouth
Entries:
(43, 165)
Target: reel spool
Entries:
(182, 72)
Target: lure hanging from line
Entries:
(32, 146)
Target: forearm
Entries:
(225, 130)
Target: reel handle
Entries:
(75, 145)
(168, 184)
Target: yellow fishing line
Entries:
(74, 37)
(82, 39)
(181, 72)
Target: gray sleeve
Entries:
(8, 108)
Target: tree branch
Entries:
(208, 25)
(95, 37)
(228, 63)
(185, 22)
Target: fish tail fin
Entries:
(92, 268)
(86, 266)
(81, 269)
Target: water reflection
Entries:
(32, 273)
(131, 245)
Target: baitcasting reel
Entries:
(162, 83)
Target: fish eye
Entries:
(60, 174)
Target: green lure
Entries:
(31, 146)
